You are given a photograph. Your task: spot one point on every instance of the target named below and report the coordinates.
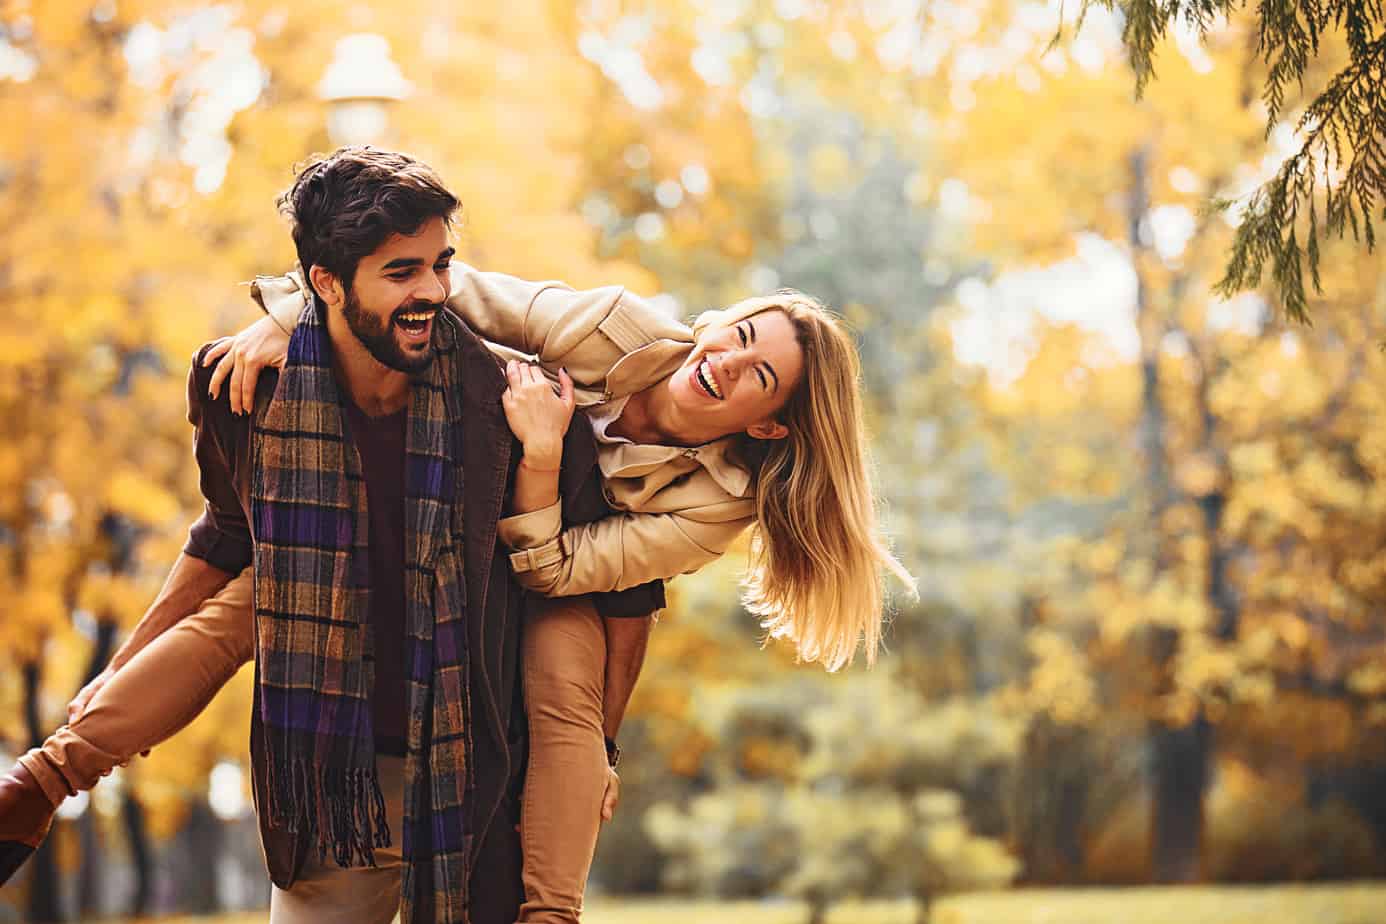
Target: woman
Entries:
(752, 418)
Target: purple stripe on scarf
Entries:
(312, 711)
(287, 522)
(450, 641)
(448, 828)
(426, 477)
(420, 661)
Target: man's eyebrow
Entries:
(404, 262)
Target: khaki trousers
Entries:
(157, 693)
(325, 893)
(564, 675)
(172, 680)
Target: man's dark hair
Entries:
(344, 206)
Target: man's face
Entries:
(395, 298)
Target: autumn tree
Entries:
(1142, 435)
(1334, 179)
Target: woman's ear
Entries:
(326, 284)
(769, 429)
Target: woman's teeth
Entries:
(705, 379)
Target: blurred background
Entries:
(1146, 521)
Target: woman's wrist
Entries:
(542, 458)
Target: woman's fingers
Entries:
(237, 374)
(249, 377)
(224, 366)
(216, 351)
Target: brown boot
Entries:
(25, 817)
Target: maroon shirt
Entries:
(380, 443)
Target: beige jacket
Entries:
(680, 508)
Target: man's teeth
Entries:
(707, 381)
(416, 317)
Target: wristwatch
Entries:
(613, 753)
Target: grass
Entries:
(1339, 903)
(1349, 903)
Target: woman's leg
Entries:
(156, 694)
(564, 675)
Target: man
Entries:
(386, 741)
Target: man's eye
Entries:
(442, 267)
(741, 332)
(400, 277)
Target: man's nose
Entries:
(431, 290)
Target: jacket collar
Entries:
(647, 365)
(634, 460)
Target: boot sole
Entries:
(12, 857)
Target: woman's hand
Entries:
(262, 344)
(537, 416)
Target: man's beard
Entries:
(379, 340)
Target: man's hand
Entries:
(242, 357)
(613, 794)
(84, 695)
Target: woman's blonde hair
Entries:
(817, 555)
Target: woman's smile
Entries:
(705, 377)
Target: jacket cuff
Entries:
(533, 529)
(282, 298)
(545, 556)
(218, 548)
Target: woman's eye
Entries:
(741, 332)
(763, 382)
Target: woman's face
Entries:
(739, 376)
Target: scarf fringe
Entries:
(343, 810)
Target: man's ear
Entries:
(768, 429)
(326, 284)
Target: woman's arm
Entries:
(620, 551)
(586, 332)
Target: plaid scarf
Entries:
(312, 589)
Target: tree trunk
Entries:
(1179, 756)
(923, 907)
(90, 878)
(43, 880)
(1180, 760)
(200, 841)
(141, 857)
(1051, 802)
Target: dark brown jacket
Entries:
(222, 537)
